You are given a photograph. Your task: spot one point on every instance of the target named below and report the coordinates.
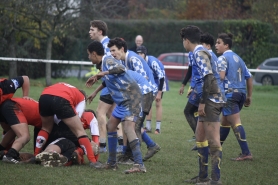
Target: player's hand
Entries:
(100, 75)
(91, 81)
(181, 90)
(158, 96)
(91, 97)
(247, 102)
(28, 98)
(201, 110)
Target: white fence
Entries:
(89, 63)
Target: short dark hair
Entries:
(90, 110)
(227, 38)
(84, 93)
(141, 49)
(207, 38)
(192, 33)
(101, 25)
(97, 47)
(118, 42)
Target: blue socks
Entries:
(146, 138)
(112, 147)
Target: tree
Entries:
(214, 9)
(266, 11)
(48, 19)
(8, 34)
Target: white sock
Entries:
(149, 124)
(158, 125)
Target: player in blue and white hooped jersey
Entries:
(148, 97)
(134, 62)
(128, 97)
(98, 32)
(191, 108)
(209, 109)
(235, 76)
(161, 82)
(131, 60)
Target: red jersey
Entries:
(30, 109)
(66, 91)
(90, 122)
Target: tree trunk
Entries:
(48, 65)
(12, 65)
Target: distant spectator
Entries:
(138, 42)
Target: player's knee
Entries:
(158, 105)
(101, 119)
(25, 139)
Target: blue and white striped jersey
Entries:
(122, 87)
(141, 81)
(105, 42)
(191, 63)
(158, 71)
(204, 66)
(136, 63)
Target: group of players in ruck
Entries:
(131, 81)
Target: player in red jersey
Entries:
(89, 121)
(68, 103)
(9, 86)
(16, 115)
(62, 147)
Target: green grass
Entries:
(175, 162)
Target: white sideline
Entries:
(89, 63)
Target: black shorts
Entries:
(65, 145)
(213, 111)
(106, 99)
(50, 105)
(162, 95)
(58, 131)
(11, 113)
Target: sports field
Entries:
(175, 162)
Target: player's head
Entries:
(227, 38)
(138, 40)
(118, 48)
(224, 42)
(92, 111)
(190, 35)
(207, 40)
(98, 29)
(95, 52)
(84, 93)
(142, 51)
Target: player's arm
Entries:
(160, 87)
(204, 60)
(186, 79)
(114, 67)
(249, 84)
(248, 100)
(19, 82)
(25, 86)
(161, 77)
(80, 107)
(187, 76)
(222, 67)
